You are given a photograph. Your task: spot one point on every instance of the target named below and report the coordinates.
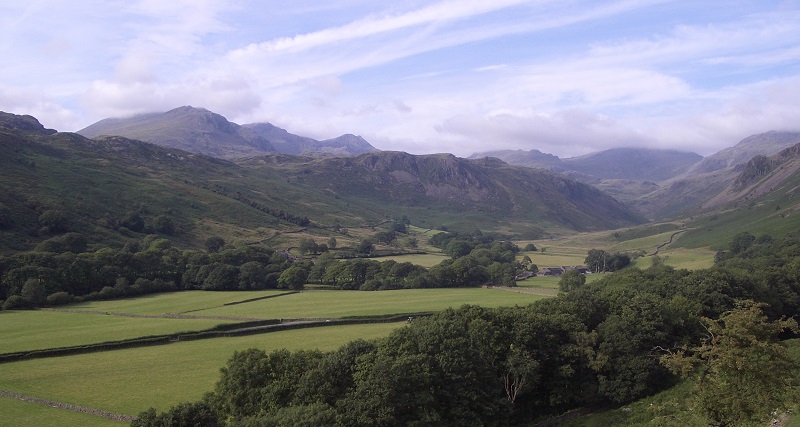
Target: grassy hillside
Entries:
(113, 189)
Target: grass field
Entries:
(131, 380)
(690, 259)
(16, 413)
(336, 304)
(173, 302)
(33, 330)
(311, 304)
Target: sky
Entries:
(566, 77)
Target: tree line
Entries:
(152, 264)
(625, 336)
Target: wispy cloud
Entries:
(418, 75)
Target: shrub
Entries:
(60, 298)
(15, 302)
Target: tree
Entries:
(293, 278)
(34, 292)
(164, 225)
(365, 247)
(53, 221)
(307, 246)
(132, 221)
(600, 261)
(252, 275)
(332, 242)
(741, 242)
(184, 414)
(530, 247)
(596, 260)
(214, 244)
(571, 280)
(743, 372)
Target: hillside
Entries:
(113, 189)
(692, 190)
(487, 188)
(766, 144)
(761, 176)
(203, 132)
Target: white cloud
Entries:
(421, 76)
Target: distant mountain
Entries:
(187, 128)
(287, 143)
(640, 164)
(52, 183)
(711, 176)
(531, 159)
(766, 144)
(201, 131)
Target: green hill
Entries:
(112, 189)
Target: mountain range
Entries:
(55, 182)
(658, 183)
(198, 130)
(208, 176)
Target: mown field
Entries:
(128, 381)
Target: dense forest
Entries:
(618, 339)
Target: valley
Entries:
(131, 271)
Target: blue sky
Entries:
(565, 77)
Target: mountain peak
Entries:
(199, 130)
(11, 121)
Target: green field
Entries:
(129, 381)
(16, 413)
(690, 259)
(184, 302)
(317, 303)
(34, 330)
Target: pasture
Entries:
(128, 381)
(320, 303)
(15, 412)
(35, 330)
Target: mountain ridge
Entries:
(51, 183)
(202, 131)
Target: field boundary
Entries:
(67, 406)
(528, 291)
(220, 331)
